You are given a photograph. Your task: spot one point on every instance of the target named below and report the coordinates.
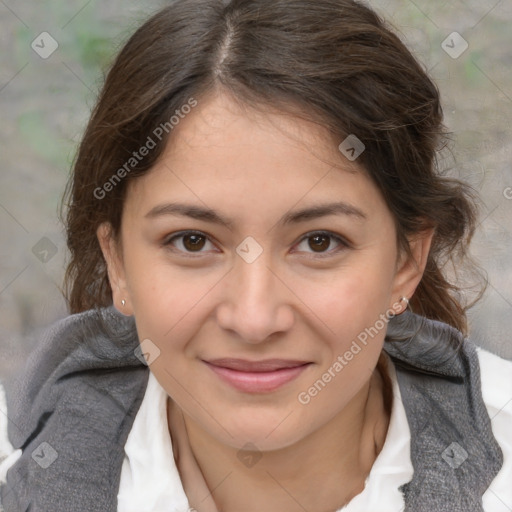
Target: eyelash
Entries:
(343, 243)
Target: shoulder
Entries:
(92, 339)
(496, 381)
(86, 351)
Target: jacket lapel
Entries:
(453, 450)
(83, 388)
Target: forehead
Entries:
(222, 121)
(225, 153)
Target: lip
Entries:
(257, 376)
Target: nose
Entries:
(255, 303)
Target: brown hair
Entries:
(334, 59)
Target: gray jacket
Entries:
(71, 410)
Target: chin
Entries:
(266, 432)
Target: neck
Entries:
(290, 478)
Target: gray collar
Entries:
(72, 408)
(453, 450)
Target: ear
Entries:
(410, 268)
(112, 253)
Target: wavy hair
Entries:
(335, 62)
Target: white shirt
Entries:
(150, 480)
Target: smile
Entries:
(258, 376)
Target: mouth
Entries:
(257, 376)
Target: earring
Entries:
(406, 300)
(123, 302)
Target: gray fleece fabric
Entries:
(73, 406)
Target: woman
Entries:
(260, 319)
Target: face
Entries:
(255, 257)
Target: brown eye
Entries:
(319, 243)
(188, 242)
(193, 242)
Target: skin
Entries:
(295, 301)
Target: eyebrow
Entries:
(293, 217)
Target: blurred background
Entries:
(52, 62)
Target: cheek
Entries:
(163, 295)
(353, 298)
(353, 306)
(356, 319)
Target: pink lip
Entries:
(257, 376)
